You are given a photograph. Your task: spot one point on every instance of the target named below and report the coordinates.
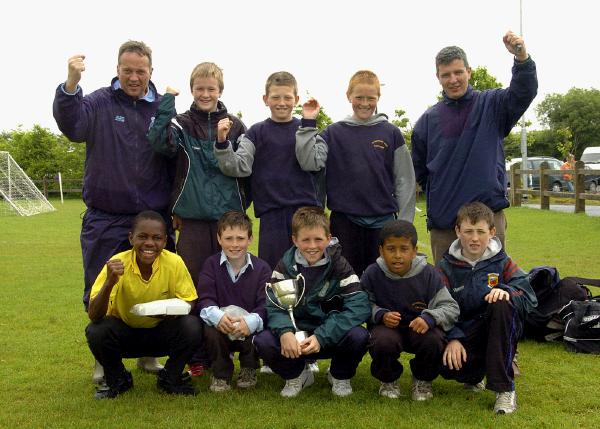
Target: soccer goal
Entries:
(18, 194)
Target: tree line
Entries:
(571, 123)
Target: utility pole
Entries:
(523, 127)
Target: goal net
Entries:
(18, 194)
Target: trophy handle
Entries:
(268, 286)
(300, 276)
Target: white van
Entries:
(591, 157)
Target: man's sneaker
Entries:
(219, 385)
(390, 390)
(295, 385)
(246, 378)
(506, 402)
(421, 390)
(266, 369)
(196, 370)
(339, 387)
(98, 374)
(183, 386)
(149, 364)
(118, 385)
(476, 388)
(313, 367)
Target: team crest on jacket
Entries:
(379, 144)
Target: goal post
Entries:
(18, 194)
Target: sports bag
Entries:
(582, 326)
(543, 323)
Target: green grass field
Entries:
(45, 365)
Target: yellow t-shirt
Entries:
(170, 279)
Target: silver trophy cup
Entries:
(288, 294)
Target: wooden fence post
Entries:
(544, 199)
(515, 185)
(579, 186)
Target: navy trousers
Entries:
(387, 343)
(275, 234)
(345, 356)
(490, 343)
(360, 245)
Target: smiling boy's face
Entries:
(148, 239)
(398, 253)
(206, 93)
(234, 241)
(281, 100)
(311, 242)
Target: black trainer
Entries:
(182, 387)
(115, 387)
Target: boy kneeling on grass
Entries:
(494, 296)
(145, 273)
(331, 311)
(411, 310)
(231, 287)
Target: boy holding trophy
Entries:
(327, 311)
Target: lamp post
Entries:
(523, 127)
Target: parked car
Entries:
(592, 183)
(591, 158)
(556, 183)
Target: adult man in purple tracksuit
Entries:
(123, 176)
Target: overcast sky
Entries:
(321, 42)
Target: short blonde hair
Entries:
(364, 76)
(310, 217)
(208, 70)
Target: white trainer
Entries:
(295, 385)
(266, 369)
(339, 387)
(98, 374)
(421, 390)
(313, 367)
(476, 388)
(390, 390)
(506, 402)
(149, 364)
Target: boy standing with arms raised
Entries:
(331, 311)
(494, 296)
(201, 193)
(370, 179)
(267, 152)
(411, 309)
(233, 277)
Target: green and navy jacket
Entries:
(200, 190)
(467, 282)
(333, 302)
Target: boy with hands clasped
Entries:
(411, 309)
(231, 287)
